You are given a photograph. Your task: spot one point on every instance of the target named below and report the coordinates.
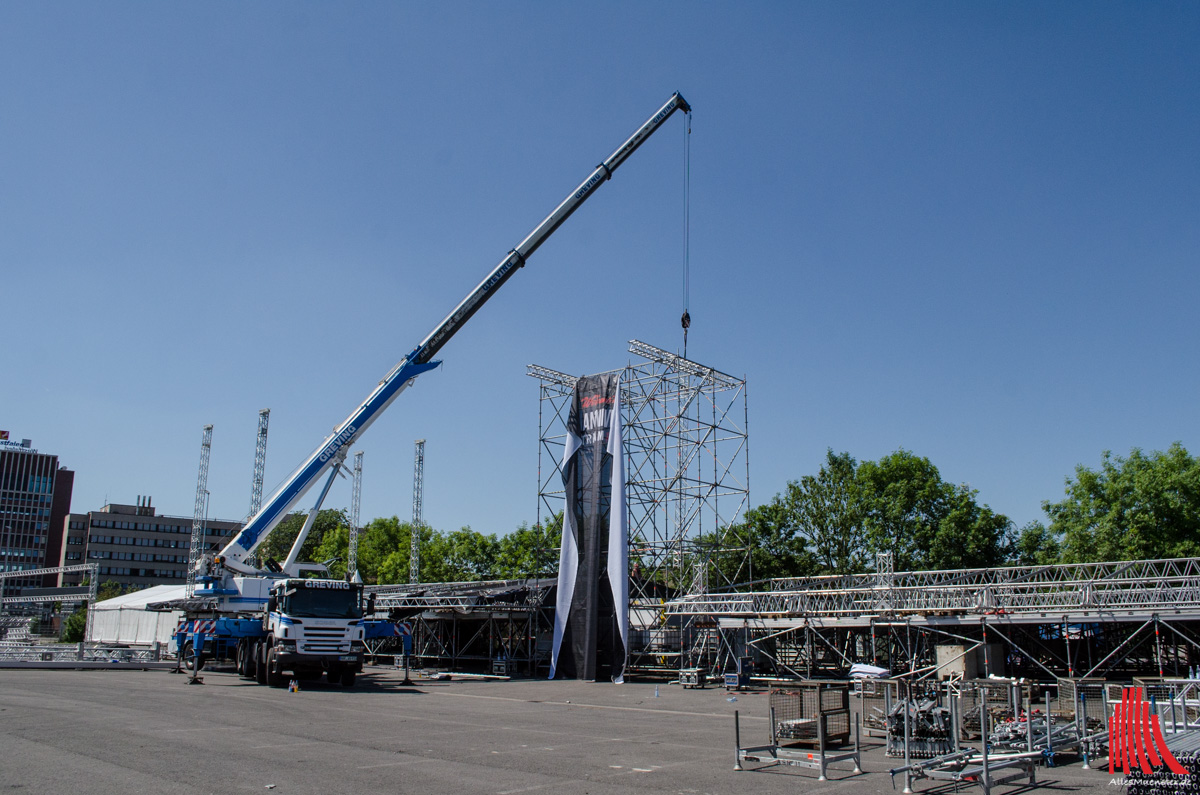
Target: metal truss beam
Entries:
(1125, 590)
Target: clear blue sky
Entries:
(970, 230)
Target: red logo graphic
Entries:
(1135, 739)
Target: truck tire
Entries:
(348, 678)
(260, 663)
(243, 659)
(274, 678)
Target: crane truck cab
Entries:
(310, 627)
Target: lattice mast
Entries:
(260, 462)
(201, 512)
(355, 499)
(414, 556)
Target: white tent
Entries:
(125, 619)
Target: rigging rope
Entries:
(686, 319)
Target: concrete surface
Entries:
(150, 732)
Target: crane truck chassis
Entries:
(309, 628)
(260, 618)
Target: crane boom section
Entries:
(420, 359)
(516, 258)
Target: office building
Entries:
(35, 498)
(134, 546)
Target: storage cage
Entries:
(795, 713)
(995, 696)
(1083, 698)
(877, 697)
(1176, 701)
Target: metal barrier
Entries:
(78, 652)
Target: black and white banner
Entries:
(591, 619)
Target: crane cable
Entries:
(686, 319)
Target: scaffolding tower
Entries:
(687, 478)
(414, 556)
(355, 499)
(260, 463)
(200, 514)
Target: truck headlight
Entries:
(357, 645)
(286, 646)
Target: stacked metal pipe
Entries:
(930, 727)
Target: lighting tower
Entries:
(197, 548)
(355, 497)
(414, 555)
(260, 462)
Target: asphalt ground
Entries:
(150, 732)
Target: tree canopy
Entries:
(464, 555)
(1135, 508)
(837, 521)
(279, 541)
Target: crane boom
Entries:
(420, 359)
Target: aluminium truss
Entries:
(1120, 617)
(51, 595)
(686, 465)
(1081, 592)
(471, 625)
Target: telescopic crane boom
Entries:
(333, 450)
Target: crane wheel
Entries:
(244, 668)
(274, 678)
(258, 654)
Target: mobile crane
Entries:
(276, 621)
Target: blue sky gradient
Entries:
(965, 229)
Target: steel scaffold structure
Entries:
(687, 482)
(1022, 594)
(1057, 621)
(196, 548)
(355, 501)
(414, 553)
(471, 624)
(51, 595)
(260, 463)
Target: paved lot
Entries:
(149, 732)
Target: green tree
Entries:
(279, 541)
(529, 551)
(826, 509)
(925, 522)
(335, 546)
(1035, 546)
(968, 535)
(776, 547)
(466, 555)
(75, 625)
(380, 541)
(1140, 507)
(457, 557)
(902, 502)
